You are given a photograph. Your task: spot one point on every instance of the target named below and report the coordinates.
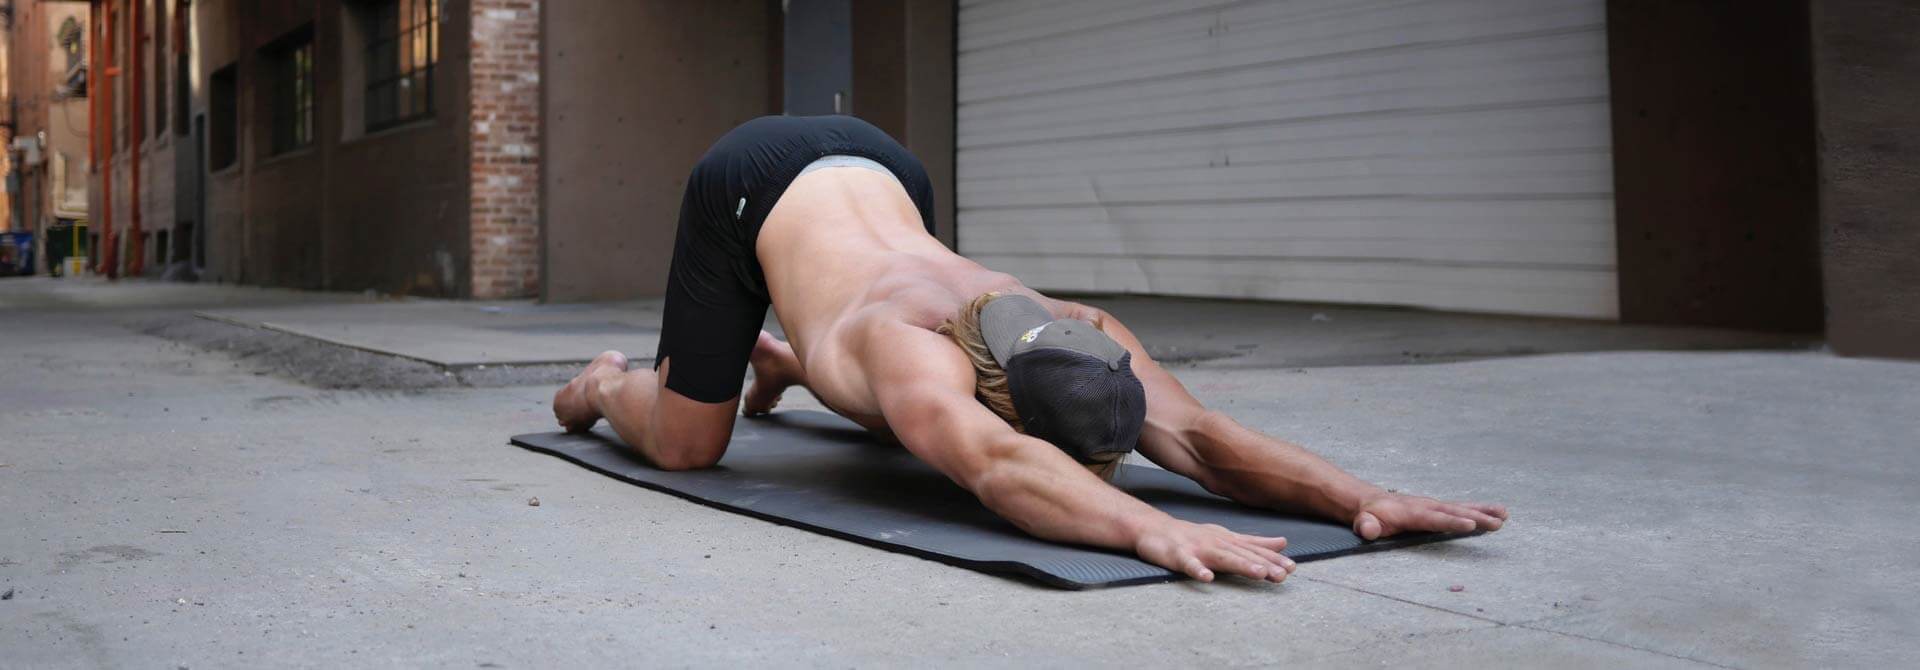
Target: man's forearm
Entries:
(1258, 470)
(1049, 496)
(1224, 456)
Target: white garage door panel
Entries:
(1235, 239)
(1536, 220)
(1125, 232)
(1511, 290)
(1526, 71)
(1559, 129)
(991, 23)
(1443, 153)
(1227, 41)
(1443, 177)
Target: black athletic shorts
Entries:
(716, 293)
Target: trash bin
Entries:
(16, 254)
(66, 239)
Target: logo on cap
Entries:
(1034, 333)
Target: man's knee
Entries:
(690, 454)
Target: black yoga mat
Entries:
(820, 472)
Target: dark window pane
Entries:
(402, 95)
(386, 21)
(422, 91)
(292, 96)
(223, 138)
(401, 52)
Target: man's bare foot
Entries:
(774, 370)
(570, 406)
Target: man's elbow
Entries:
(997, 483)
(1206, 439)
(979, 468)
(1208, 425)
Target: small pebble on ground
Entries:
(533, 502)
(1456, 588)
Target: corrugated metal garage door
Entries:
(1450, 154)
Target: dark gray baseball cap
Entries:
(1071, 384)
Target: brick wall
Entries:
(506, 148)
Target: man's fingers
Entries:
(1229, 558)
(1285, 565)
(1196, 569)
(1268, 543)
(1481, 519)
(1275, 557)
(1495, 511)
(1435, 519)
(1269, 562)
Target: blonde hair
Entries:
(989, 381)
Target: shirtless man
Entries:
(1023, 400)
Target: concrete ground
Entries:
(468, 335)
(464, 335)
(173, 502)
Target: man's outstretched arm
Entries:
(1256, 469)
(925, 389)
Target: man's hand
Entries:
(1393, 513)
(1198, 551)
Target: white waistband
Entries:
(842, 160)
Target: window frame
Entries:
(72, 40)
(293, 95)
(223, 118)
(402, 55)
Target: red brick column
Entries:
(506, 148)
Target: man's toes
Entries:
(610, 359)
(755, 405)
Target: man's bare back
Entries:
(847, 263)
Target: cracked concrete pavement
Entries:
(172, 505)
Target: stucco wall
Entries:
(903, 76)
(635, 92)
(1713, 160)
(1867, 87)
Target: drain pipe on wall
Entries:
(94, 75)
(137, 38)
(109, 257)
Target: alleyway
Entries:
(168, 504)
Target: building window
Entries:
(223, 106)
(291, 71)
(73, 43)
(403, 45)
